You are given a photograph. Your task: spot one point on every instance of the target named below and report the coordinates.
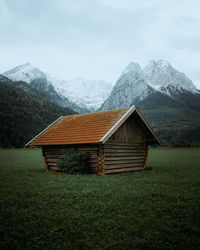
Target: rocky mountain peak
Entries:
(158, 72)
(27, 64)
(84, 95)
(25, 72)
(130, 88)
(162, 74)
(133, 68)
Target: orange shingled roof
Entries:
(78, 129)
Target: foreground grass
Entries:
(156, 209)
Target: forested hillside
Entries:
(23, 115)
(176, 121)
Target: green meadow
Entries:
(154, 209)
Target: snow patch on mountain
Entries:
(86, 93)
(25, 72)
(132, 67)
(130, 88)
(135, 84)
(153, 86)
(163, 76)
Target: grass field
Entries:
(157, 209)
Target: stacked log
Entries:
(51, 156)
(112, 157)
(124, 157)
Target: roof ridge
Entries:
(98, 112)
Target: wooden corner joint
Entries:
(146, 155)
(44, 157)
(100, 168)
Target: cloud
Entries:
(96, 39)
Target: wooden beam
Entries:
(46, 164)
(146, 156)
(100, 168)
(113, 171)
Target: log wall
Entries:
(112, 157)
(124, 157)
(51, 155)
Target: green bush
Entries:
(74, 163)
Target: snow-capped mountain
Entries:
(81, 95)
(25, 72)
(167, 98)
(162, 76)
(130, 88)
(89, 94)
(135, 84)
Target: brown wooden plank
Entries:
(51, 164)
(107, 150)
(118, 158)
(124, 162)
(126, 148)
(114, 171)
(115, 154)
(123, 148)
(51, 160)
(124, 145)
(124, 165)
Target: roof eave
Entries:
(122, 119)
(27, 144)
(149, 127)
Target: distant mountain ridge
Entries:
(80, 95)
(25, 72)
(161, 73)
(168, 99)
(130, 88)
(135, 84)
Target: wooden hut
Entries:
(117, 140)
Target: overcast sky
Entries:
(96, 39)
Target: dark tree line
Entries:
(23, 115)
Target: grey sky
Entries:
(96, 39)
